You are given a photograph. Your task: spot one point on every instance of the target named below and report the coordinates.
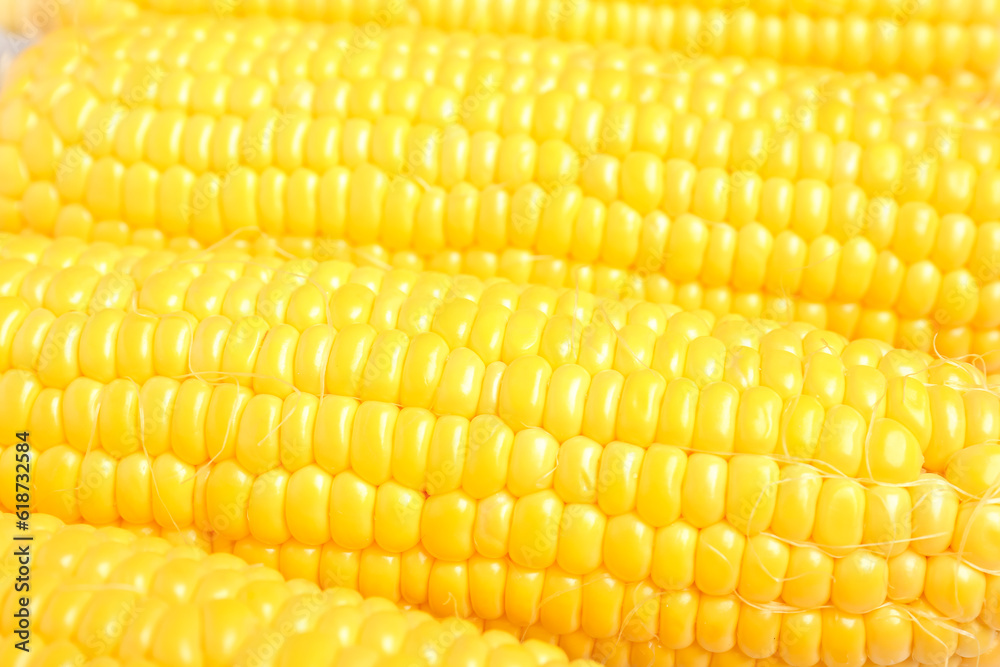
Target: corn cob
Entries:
(629, 620)
(574, 84)
(645, 350)
(193, 280)
(859, 352)
(693, 147)
(660, 345)
(902, 41)
(255, 475)
(202, 294)
(106, 595)
(405, 484)
(33, 285)
(714, 622)
(624, 336)
(847, 319)
(371, 99)
(922, 289)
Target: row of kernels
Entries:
(152, 423)
(298, 292)
(618, 364)
(262, 431)
(929, 299)
(532, 219)
(572, 225)
(718, 560)
(67, 274)
(967, 11)
(363, 363)
(289, 43)
(303, 77)
(293, 134)
(166, 277)
(77, 288)
(712, 125)
(562, 603)
(848, 644)
(492, 105)
(75, 221)
(760, 633)
(448, 309)
(861, 323)
(851, 42)
(520, 266)
(458, 313)
(332, 421)
(466, 148)
(875, 324)
(297, 51)
(393, 55)
(413, 577)
(599, 606)
(278, 359)
(365, 473)
(82, 552)
(204, 41)
(190, 593)
(580, 105)
(607, 74)
(140, 255)
(847, 318)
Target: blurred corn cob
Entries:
(917, 38)
(518, 266)
(110, 597)
(835, 229)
